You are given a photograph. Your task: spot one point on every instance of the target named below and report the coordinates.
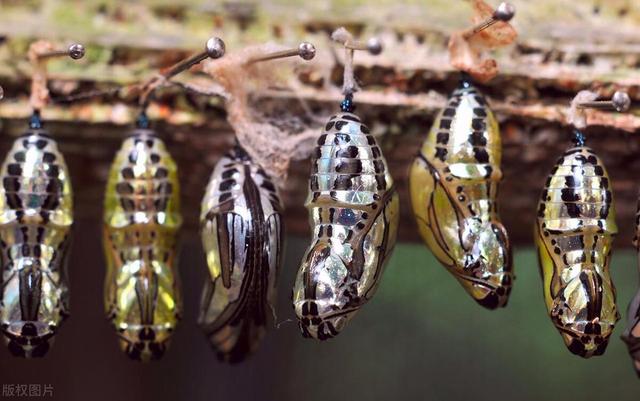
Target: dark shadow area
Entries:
(421, 338)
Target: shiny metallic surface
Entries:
(631, 335)
(621, 101)
(354, 215)
(374, 46)
(141, 222)
(215, 47)
(453, 185)
(242, 235)
(505, 12)
(76, 51)
(36, 214)
(306, 50)
(574, 233)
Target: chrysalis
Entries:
(141, 222)
(242, 234)
(36, 214)
(574, 233)
(353, 209)
(631, 335)
(454, 186)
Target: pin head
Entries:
(1, 93)
(76, 51)
(215, 47)
(306, 50)
(621, 101)
(374, 46)
(504, 12)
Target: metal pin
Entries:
(504, 13)
(620, 102)
(305, 50)
(75, 51)
(1, 93)
(373, 45)
(214, 48)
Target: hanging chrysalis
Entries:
(454, 185)
(36, 215)
(454, 180)
(141, 222)
(241, 217)
(354, 217)
(631, 335)
(242, 234)
(353, 209)
(574, 233)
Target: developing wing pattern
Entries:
(354, 218)
(574, 233)
(242, 234)
(454, 186)
(36, 214)
(141, 222)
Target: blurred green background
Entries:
(421, 338)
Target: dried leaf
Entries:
(497, 35)
(466, 58)
(465, 54)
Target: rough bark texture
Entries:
(564, 46)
